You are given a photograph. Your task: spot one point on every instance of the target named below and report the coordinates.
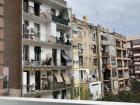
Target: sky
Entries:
(123, 16)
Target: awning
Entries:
(66, 78)
(58, 77)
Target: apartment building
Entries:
(133, 46)
(46, 46)
(37, 48)
(113, 61)
(85, 62)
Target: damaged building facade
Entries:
(46, 49)
(85, 61)
(113, 65)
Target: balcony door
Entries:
(25, 29)
(37, 30)
(26, 53)
(37, 51)
(54, 55)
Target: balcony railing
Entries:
(51, 86)
(58, 40)
(60, 20)
(104, 42)
(41, 14)
(29, 33)
(60, 2)
(105, 53)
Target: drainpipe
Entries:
(100, 72)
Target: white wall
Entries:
(95, 89)
(45, 51)
(53, 29)
(59, 57)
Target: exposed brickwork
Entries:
(1, 43)
(12, 39)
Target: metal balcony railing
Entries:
(105, 53)
(60, 20)
(58, 40)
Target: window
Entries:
(94, 49)
(80, 60)
(95, 61)
(37, 30)
(26, 52)
(94, 37)
(37, 51)
(25, 29)
(25, 6)
(36, 9)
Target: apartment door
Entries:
(64, 93)
(54, 55)
(37, 80)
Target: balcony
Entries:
(105, 54)
(50, 40)
(43, 66)
(60, 20)
(53, 86)
(59, 40)
(41, 16)
(104, 42)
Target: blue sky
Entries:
(121, 15)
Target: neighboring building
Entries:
(113, 61)
(37, 47)
(85, 62)
(133, 45)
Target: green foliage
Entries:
(126, 96)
